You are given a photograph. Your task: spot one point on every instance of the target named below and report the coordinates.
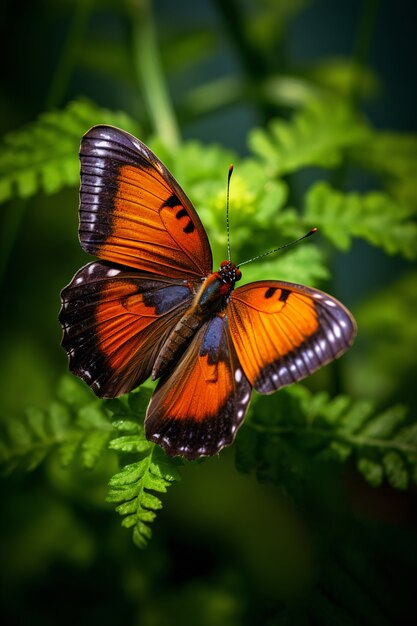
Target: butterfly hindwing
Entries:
(198, 407)
(133, 212)
(115, 321)
(283, 332)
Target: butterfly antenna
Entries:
(227, 212)
(286, 245)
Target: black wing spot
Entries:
(171, 202)
(284, 295)
(270, 292)
(181, 213)
(190, 228)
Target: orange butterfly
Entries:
(152, 306)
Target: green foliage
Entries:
(344, 76)
(43, 156)
(231, 551)
(134, 488)
(283, 437)
(80, 428)
(298, 427)
(317, 135)
(393, 156)
(76, 425)
(388, 361)
(374, 216)
(305, 265)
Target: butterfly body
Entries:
(211, 298)
(152, 306)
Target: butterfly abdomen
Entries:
(209, 300)
(176, 343)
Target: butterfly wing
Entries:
(196, 409)
(115, 321)
(283, 332)
(133, 212)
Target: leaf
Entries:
(374, 217)
(132, 488)
(43, 156)
(130, 443)
(317, 135)
(393, 156)
(383, 444)
(344, 77)
(388, 326)
(372, 471)
(304, 265)
(73, 392)
(395, 470)
(65, 427)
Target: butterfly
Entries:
(152, 306)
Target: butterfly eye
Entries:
(224, 263)
(238, 274)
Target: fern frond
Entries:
(384, 445)
(374, 216)
(317, 135)
(134, 489)
(77, 426)
(344, 76)
(70, 427)
(389, 323)
(43, 156)
(305, 265)
(394, 157)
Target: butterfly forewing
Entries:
(115, 321)
(283, 332)
(133, 212)
(196, 410)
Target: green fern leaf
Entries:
(394, 157)
(44, 155)
(317, 135)
(373, 216)
(388, 323)
(132, 488)
(304, 265)
(384, 445)
(344, 77)
(129, 443)
(65, 427)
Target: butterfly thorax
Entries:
(210, 299)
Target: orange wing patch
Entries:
(284, 332)
(186, 396)
(115, 322)
(196, 410)
(133, 212)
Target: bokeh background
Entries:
(227, 549)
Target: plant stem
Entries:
(69, 54)
(150, 75)
(362, 46)
(254, 63)
(354, 440)
(54, 98)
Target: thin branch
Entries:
(151, 76)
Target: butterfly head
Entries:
(229, 272)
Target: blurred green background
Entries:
(229, 547)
